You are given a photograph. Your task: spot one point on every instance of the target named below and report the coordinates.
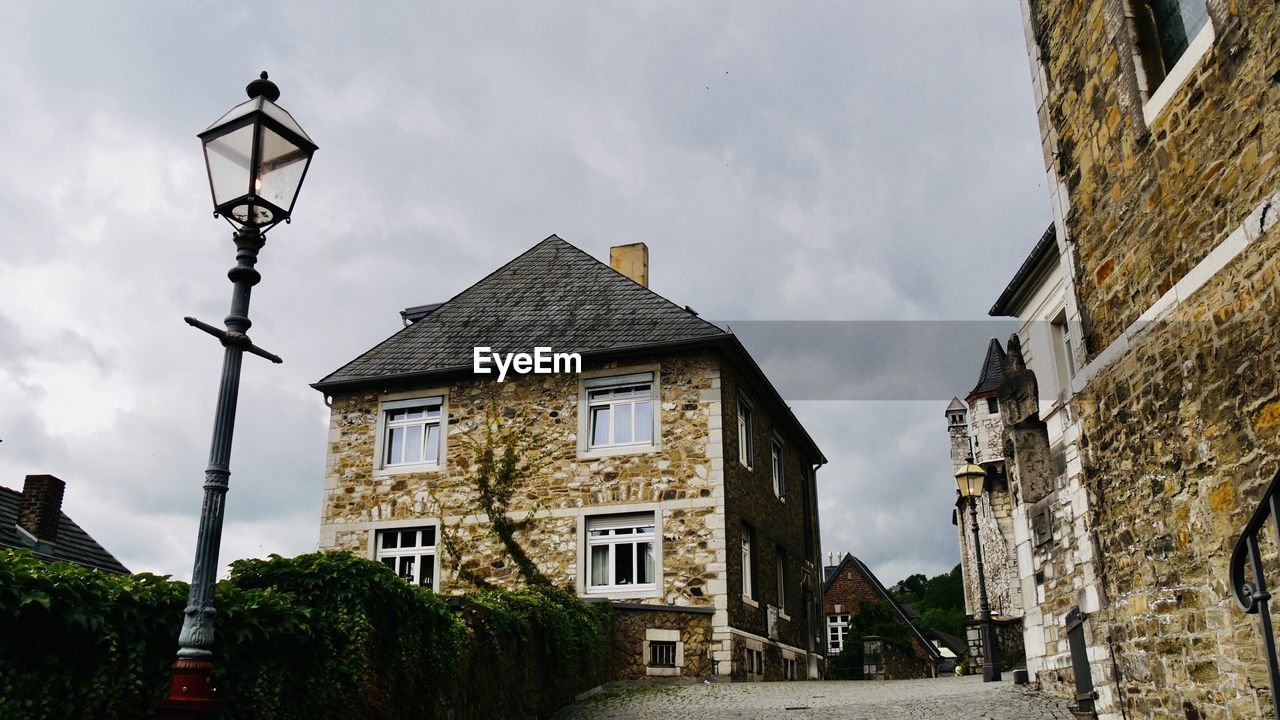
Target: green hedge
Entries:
(324, 635)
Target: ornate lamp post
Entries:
(257, 156)
(970, 479)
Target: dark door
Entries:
(1080, 660)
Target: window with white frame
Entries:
(746, 445)
(837, 628)
(755, 662)
(1163, 31)
(748, 589)
(410, 552)
(1062, 350)
(621, 553)
(620, 411)
(411, 432)
(781, 562)
(788, 668)
(776, 453)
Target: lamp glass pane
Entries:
(282, 116)
(282, 166)
(228, 157)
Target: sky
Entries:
(849, 185)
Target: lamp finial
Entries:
(263, 87)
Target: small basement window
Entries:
(662, 653)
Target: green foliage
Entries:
(939, 600)
(871, 618)
(323, 635)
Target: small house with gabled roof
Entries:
(33, 520)
(676, 481)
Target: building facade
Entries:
(850, 583)
(672, 479)
(1160, 124)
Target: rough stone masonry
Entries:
(1166, 221)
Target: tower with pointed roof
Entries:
(975, 430)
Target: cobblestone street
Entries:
(960, 698)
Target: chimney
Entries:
(631, 260)
(40, 509)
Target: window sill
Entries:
(750, 602)
(1177, 77)
(784, 616)
(616, 450)
(630, 593)
(404, 469)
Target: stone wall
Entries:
(884, 659)
(636, 626)
(679, 479)
(778, 525)
(1175, 187)
(1183, 435)
(995, 528)
(1174, 445)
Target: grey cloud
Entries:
(830, 161)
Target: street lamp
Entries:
(257, 156)
(970, 479)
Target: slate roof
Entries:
(73, 543)
(553, 295)
(992, 370)
(956, 406)
(907, 615)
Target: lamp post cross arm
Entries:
(238, 339)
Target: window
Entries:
(620, 553)
(411, 432)
(837, 628)
(782, 579)
(755, 662)
(1163, 32)
(1169, 38)
(410, 552)
(620, 411)
(662, 653)
(747, 590)
(779, 477)
(993, 405)
(1062, 350)
(789, 668)
(746, 446)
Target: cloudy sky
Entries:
(787, 163)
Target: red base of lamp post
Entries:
(191, 692)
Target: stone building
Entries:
(1160, 124)
(850, 583)
(33, 520)
(976, 430)
(675, 481)
(1057, 566)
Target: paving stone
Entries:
(962, 698)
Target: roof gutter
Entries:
(1034, 268)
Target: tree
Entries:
(939, 600)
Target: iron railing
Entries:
(1252, 597)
